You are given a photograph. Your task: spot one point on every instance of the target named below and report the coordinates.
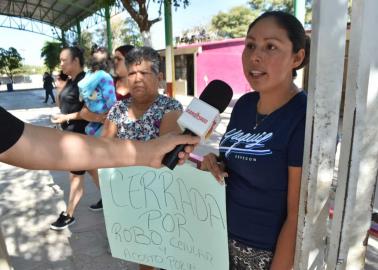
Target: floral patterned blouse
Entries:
(148, 125)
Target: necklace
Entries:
(259, 119)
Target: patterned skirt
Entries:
(243, 257)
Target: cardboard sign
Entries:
(167, 219)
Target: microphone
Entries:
(201, 116)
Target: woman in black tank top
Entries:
(72, 62)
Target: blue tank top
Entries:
(257, 161)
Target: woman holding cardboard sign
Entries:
(145, 114)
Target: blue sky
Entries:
(199, 12)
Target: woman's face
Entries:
(119, 65)
(268, 58)
(143, 82)
(69, 65)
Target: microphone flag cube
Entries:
(200, 118)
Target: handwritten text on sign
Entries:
(167, 219)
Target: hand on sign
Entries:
(210, 163)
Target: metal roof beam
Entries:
(31, 31)
(90, 9)
(51, 8)
(14, 3)
(55, 12)
(25, 2)
(84, 14)
(60, 13)
(35, 9)
(12, 22)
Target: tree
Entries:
(50, 54)
(138, 10)
(10, 61)
(309, 10)
(268, 5)
(234, 23)
(129, 33)
(86, 43)
(286, 5)
(123, 32)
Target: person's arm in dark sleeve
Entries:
(11, 130)
(46, 148)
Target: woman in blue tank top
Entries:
(261, 151)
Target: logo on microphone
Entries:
(197, 116)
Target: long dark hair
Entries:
(124, 49)
(76, 52)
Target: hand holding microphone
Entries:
(202, 116)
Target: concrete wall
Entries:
(23, 82)
(221, 61)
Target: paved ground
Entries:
(31, 200)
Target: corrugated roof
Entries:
(60, 13)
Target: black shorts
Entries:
(78, 172)
(77, 126)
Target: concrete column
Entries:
(78, 29)
(169, 51)
(109, 36)
(63, 38)
(300, 13)
(359, 149)
(324, 96)
(300, 10)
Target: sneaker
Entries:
(63, 221)
(97, 206)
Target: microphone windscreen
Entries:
(217, 94)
